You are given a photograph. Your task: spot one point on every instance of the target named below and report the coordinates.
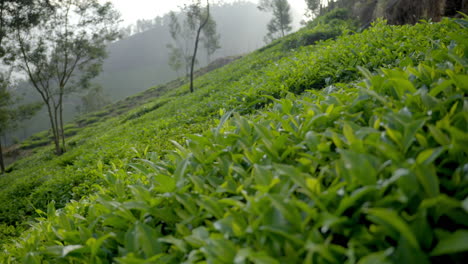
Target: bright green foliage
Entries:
(370, 169)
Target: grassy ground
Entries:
(336, 151)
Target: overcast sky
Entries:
(132, 10)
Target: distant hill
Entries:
(140, 61)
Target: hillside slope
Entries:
(340, 151)
(141, 61)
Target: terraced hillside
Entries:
(347, 150)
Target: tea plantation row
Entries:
(356, 154)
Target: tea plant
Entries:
(371, 169)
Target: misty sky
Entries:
(132, 10)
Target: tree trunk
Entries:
(62, 132)
(57, 129)
(54, 129)
(194, 57)
(2, 164)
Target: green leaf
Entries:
(377, 258)
(429, 155)
(462, 22)
(365, 72)
(465, 204)
(427, 177)
(51, 210)
(439, 136)
(146, 237)
(314, 185)
(211, 205)
(140, 168)
(178, 243)
(287, 210)
(95, 244)
(220, 250)
(262, 175)
(179, 173)
(198, 237)
(403, 86)
(396, 136)
(284, 233)
(440, 88)
(349, 133)
(359, 166)
(392, 220)
(410, 130)
(224, 118)
(454, 243)
(461, 81)
(68, 249)
(256, 257)
(165, 184)
(352, 200)
(188, 201)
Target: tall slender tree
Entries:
(64, 52)
(199, 19)
(197, 25)
(280, 24)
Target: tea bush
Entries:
(362, 171)
(371, 169)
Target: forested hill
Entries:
(333, 144)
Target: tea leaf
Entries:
(454, 243)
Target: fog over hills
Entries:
(140, 61)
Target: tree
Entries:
(14, 14)
(64, 52)
(176, 58)
(93, 100)
(143, 25)
(126, 32)
(210, 39)
(19, 13)
(313, 8)
(10, 114)
(186, 37)
(199, 20)
(183, 36)
(280, 24)
(179, 51)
